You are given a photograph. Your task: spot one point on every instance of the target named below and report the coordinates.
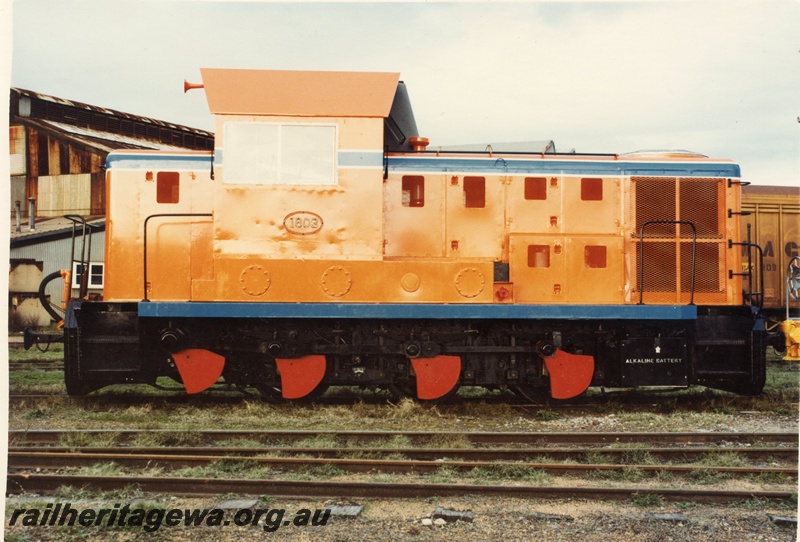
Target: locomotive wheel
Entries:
(273, 394)
(408, 390)
(534, 394)
(269, 393)
(75, 383)
(402, 390)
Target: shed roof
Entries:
(97, 141)
(98, 129)
(52, 229)
(299, 93)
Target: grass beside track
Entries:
(695, 409)
(685, 410)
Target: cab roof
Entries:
(299, 93)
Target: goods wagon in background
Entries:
(325, 242)
(773, 223)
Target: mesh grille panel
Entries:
(707, 267)
(700, 205)
(697, 200)
(659, 267)
(655, 200)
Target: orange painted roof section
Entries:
(299, 93)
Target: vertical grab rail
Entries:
(86, 255)
(146, 220)
(641, 255)
(751, 295)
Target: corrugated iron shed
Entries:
(101, 129)
(58, 148)
(57, 151)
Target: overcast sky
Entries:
(719, 78)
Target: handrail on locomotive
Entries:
(753, 298)
(31, 337)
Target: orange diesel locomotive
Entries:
(324, 242)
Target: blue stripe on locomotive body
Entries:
(164, 161)
(155, 309)
(360, 159)
(345, 158)
(449, 162)
(122, 160)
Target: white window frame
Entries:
(92, 265)
(254, 164)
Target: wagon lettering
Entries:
(302, 222)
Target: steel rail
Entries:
(219, 397)
(55, 435)
(430, 454)
(224, 395)
(35, 365)
(38, 483)
(54, 460)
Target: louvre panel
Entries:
(84, 118)
(655, 200)
(699, 204)
(38, 108)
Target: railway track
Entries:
(39, 483)
(25, 459)
(611, 455)
(223, 396)
(660, 400)
(135, 399)
(179, 397)
(37, 464)
(53, 436)
(35, 365)
(226, 397)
